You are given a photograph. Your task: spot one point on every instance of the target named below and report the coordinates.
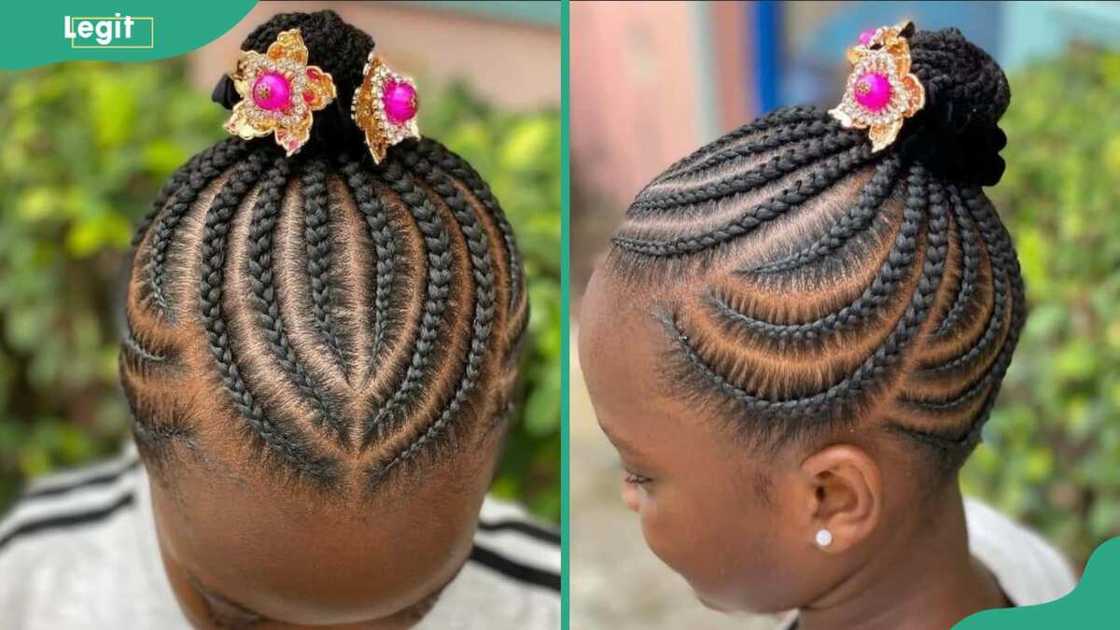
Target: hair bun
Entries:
(332, 44)
(957, 134)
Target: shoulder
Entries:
(71, 548)
(512, 578)
(81, 504)
(1030, 570)
(514, 545)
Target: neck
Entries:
(925, 580)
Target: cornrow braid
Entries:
(892, 272)
(266, 214)
(482, 272)
(178, 178)
(787, 161)
(333, 317)
(319, 255)
(849, 287)
(1005, 264)
(859, 218)
(799, 132)
(978, 203)
(886, 355)
(280, 441)
(254, 302)
(458, 167)
(787, 115)
(377, 218)
(437, 243)
(205, 169)
(832, 170)
(970, 253)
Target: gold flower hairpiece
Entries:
(279, 91)
(385, 107)
(881, 91)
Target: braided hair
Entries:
(830, 285)
(348, 317)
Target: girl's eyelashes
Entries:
(635, 479)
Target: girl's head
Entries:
(795, 333)
(319, 357)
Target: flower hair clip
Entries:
(385, 107)
(881, 91)
(279, 91)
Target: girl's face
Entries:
(736, 528)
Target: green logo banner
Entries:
(40, 33)
(1091, 605)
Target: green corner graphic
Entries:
(42, 33)
(1092, 604)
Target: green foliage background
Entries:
(1052, 447)
(84, 147)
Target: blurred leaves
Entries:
(1051, 455)
(85, 147)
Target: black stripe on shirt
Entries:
(69, 520)
(99, 479)
(530, 530)
(515, 570)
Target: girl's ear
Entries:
(843, 497)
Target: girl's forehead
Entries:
(623, 360)
(263, 546)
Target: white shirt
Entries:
(79, 551)
(1029, 570)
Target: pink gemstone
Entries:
(865, 37)
(400, 101)
(872, 91)
(272, 91)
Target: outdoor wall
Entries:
(650, 80)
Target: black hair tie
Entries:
(224, 93)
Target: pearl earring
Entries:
(824, 538)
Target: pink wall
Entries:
(635, 80)
(512, 64)
(735, 64)
(633, 109)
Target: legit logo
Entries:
(110, 32)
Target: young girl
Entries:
(797, 337)
(322, 328)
